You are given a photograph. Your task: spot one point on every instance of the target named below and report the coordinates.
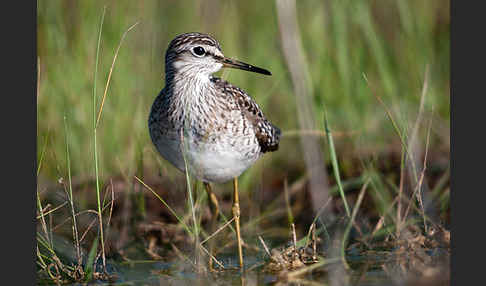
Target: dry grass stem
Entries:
(400, 193)
(321, 210)
(294, 237)
(182, 256)
(52, 210)
(77, 214)
(416, 192)
(218, 230)
(310, 232)
(264, 246)
(381, 221)
(43, 219)
(314, 242)
(212, 257)
(390, 117)
(166, 205)
(111, 207)
(87, 229)
(111, 70)
(413, 138)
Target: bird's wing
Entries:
(268, 135)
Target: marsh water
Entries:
(380, 266)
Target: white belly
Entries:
(208, 162)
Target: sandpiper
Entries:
(203, 122)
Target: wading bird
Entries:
(206, 124)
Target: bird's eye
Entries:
(198, 51)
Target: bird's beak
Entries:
(231, 63)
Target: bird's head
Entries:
(200, 55)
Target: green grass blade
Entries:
(350, 224)
(181, 221)
(290, 216)
(191, 201)
(41, 159)
(88, 269)
(335, 166)
(71, 199)
(95, 139)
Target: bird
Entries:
(206, 126)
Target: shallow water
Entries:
(381, 265)
(365, 271)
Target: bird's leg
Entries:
(214, 206)
(236, 215)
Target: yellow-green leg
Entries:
(214, 206)
(236, 215)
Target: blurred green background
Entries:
(391, 42)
